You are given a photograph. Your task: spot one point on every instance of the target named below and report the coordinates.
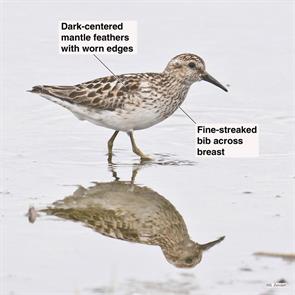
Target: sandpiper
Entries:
(126, 211)
(131, 102)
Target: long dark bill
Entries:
(211, 244)
(210, 79)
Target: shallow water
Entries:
(47, 153)
(231, 197)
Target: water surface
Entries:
(47, 153)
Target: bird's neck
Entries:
(180, 77)
(175, 92)
(174, 234)
(173, 250)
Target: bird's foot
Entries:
(145, 158)
(142, 156)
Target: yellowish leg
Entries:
(110, 144)
(135, 149)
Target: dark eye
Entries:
(192, 65)
(188, 260)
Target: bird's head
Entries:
(190, 68)
(188, 253)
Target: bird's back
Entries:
(122, 210)
(107, 93)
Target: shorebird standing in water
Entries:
(131, 102)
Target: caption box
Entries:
(97, 37)
(229, 140)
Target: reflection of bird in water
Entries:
(126, 211)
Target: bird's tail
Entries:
(36, 89)
(61, 92)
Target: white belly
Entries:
(121, 120)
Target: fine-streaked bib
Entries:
(131, 101)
